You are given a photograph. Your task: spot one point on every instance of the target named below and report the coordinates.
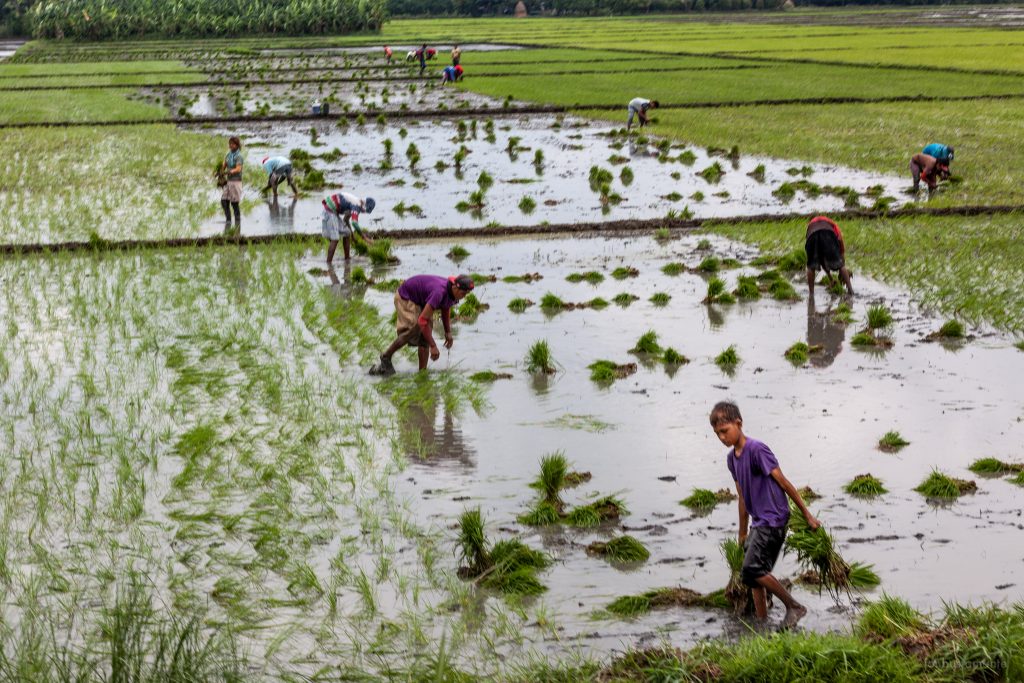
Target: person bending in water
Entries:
(451, 74)
(762, 490)
(278, 169)
(340, 218)
(388, 53)
(929, 169)
(942, 153)
(825, 249)
(415, 303)
(638, 107)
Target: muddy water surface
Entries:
(559, 187)
(952, 402)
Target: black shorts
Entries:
(823, 251)
(764, 543)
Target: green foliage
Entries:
(951, 329)
(550, 302)
(701, 499)
(458, 252)
(630, 605)
(713, 173)
(626, 176)
(519, 304)
(603, 371)
(673, 357)
(798, 353)
(660, 298)
(624, 299)
(939, 485)
(591, 276)
(709, 264)
(527, 204)
(623, 548)
(888, 618)
(717, 293)
(673, 269)
(647, 343)
(865, 486)
(541, 514)
(747, 288)
(995, 466)
(472, 542)
(623, 272)
(782, 290)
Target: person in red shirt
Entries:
(825, 251)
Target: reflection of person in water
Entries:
(425, 442)
(823, 331)
(282, 217)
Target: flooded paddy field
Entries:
(312, 509)
(643, 177)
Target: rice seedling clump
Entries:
(892, 442)
(939, 485)
(728, 359)
(647, 343)
(865, 486)
(538, 358)
(519, 304)
(624, 548)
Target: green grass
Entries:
(865, 486)
(995, 466)
(706, 499)
(673, 269)
(647, 343)
(798, 354)
(747, 288)
(624, 299)
(458, 252)
(591, 276)
(951, 329)
(623, 272)
(710, 264)
(879, 317)
(519, 304)
(550, 302)
(660, 298)
(672, 357)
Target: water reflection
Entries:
(282, 215)
(429, 434)
(823, 331)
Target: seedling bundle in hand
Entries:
(816, 553)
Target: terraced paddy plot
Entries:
(562, 186)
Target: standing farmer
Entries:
(421, 54)
(456, 55)
(638, 107)
(416, 301)
(340, 218)
(388, 52)
(278, 169)
(231, 198)
(825, 249)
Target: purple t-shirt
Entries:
(765, 500)
(427, 289)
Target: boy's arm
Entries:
(744, 517)
(794, 495)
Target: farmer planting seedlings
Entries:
(451, 74)
(929, 169)
(826, 251)
(942, 153)
(231, 197)
(639, 107)
(388, 53)
(340, 217)
(762, 490)
(416, 301)
(278, 169)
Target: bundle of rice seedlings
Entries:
(539, 360)
(550, 302)
(623, 272)
(746, 288)
(634, 605)
(798, 353)
(541, 514)
(553, 469)
(728, 359)
(379, 252)
(574, 478)
(939, 485)
(470, 307)
(489, 376)
(794, 260)
(892, 442)
(593, 514)
(358, 276)
(717, 293)
(518, 304)
(660, 298)
(993, 466)
(673, 269)
(782, 290)
(457, 252)
(597, 303)
(865, 486)
(815, 551)
(710, 264)
(879, 317)
(843, 314)
(1018, 479)
(591, 276)
(833, 285)
(867, 337)
(705, 499)
(736, 592)
(620, 549)
(609, 371)
(472, 543)
(673, 357)
(625, 299)
(510, 566)
(647, 343)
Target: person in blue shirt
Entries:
(942, 153)
(278, 169)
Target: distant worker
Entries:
(638, 107)
(929, 169)
(451, 74)
(340, 217)
(411, 55)
(421, 55)
(388, 52)
(456, 55)
(942, 153)
(826, 251)
(278, 169)
(416, 301)
(231, 167)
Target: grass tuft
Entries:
(647, 343)
(519, 304)
(891, 442)
(995, 466)
(660, 298)
(939, 485)
(879, 317)
(620, 549)
(673, 357)
(865, 486)
(538, 358)
(673, 269)
(625, 299)
(728, 359)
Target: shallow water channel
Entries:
(822, 420)
(663, 180)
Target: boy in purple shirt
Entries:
(415, 302)
(762, 490)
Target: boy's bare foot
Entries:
(793, 615)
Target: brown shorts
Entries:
(407, 322)
(232, 191)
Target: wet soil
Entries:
(645, 438)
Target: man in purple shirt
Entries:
(415, 303)
(762, 490)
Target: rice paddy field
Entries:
(202, 482)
